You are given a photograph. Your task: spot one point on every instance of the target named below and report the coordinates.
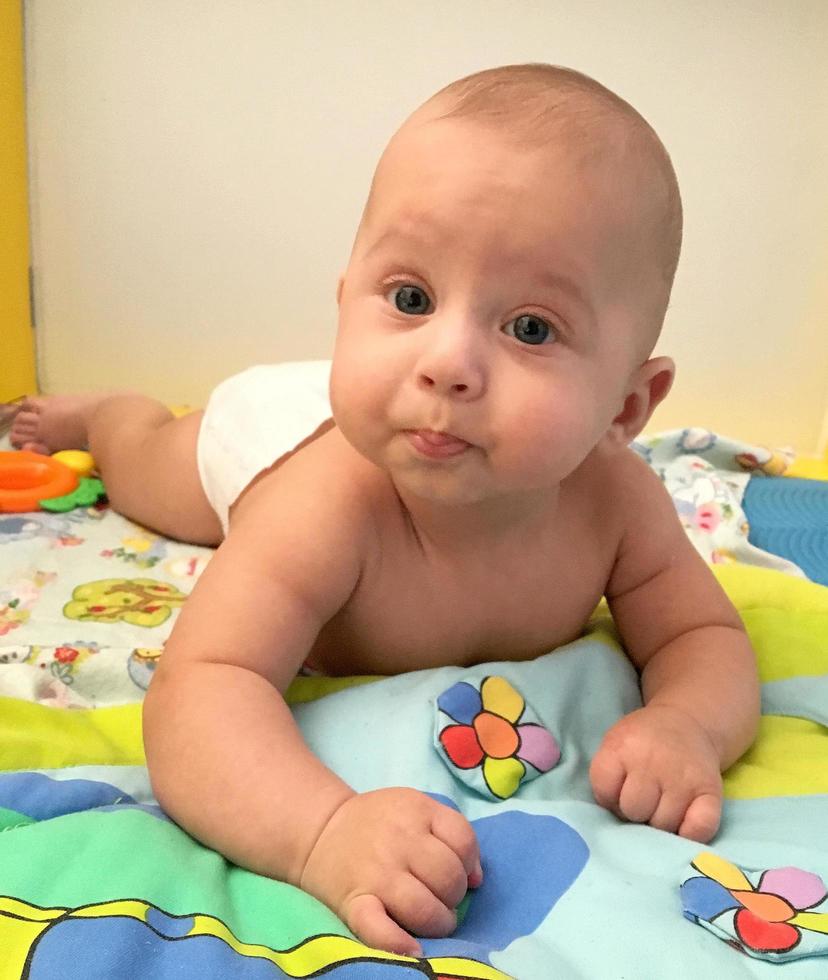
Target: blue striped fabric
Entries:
(789, 517)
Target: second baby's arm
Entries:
(227, 760)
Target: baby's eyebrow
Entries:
(398, 235)
(563, 284)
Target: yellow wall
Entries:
(17, 363)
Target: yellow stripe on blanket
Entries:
(35, 736)
(788, 646)
(786, 617)
(750, 586)
(789, 758)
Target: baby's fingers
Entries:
(456, 832)
(415, 907)
(701, 821)
(607, 775)
(367, 919)
(441, 871)
(633, 796)
(670, 811)
(639, 797)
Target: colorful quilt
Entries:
(96, 882)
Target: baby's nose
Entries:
(456, 387)
(452, 369)
(465, 384)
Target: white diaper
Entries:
(254, 418)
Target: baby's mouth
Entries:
(437, 445)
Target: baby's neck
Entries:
(482, 528)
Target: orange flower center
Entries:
(497, 737)
(771, 908)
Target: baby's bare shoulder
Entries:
(619, 487)
(623, 480)
(631, 507)
(324, 485)
(651, 534)
(627, 468)
(296, 549)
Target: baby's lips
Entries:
(438, 438)
(475, 879)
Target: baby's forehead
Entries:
(546, 110)
(587, 145)
(457, 166)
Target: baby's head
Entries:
(558, 117)
(521, 235)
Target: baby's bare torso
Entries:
(415, 608)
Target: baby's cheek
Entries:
(554, 442)
(348, 384)
(359, 408)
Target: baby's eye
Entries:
(410, 299)
(531, 329)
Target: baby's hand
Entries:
(657, 765)
(394, 858)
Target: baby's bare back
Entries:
(415, 607)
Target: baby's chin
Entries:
(439, 487)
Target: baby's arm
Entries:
(662, 764)
(226, 758)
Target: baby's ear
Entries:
(648, 387)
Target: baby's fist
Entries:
(394, 860)
(657, 765)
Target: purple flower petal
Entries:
(538, 747)
(802, 889)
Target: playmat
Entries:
(97, 882)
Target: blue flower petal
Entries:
(461, 702)
(704, 898)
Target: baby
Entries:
(471, 499)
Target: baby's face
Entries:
(495, 294)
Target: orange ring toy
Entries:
(27, 478)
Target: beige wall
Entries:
(198, 168)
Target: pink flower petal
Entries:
(801, 888)
(537, 747)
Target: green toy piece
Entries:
(89, 492)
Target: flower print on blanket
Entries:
(486, 734)
(59, 531)
(706, 475)
(18, 598)
(188, 566)
(62, 661)
(138, 601)
(146, 550)
(785, 911)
